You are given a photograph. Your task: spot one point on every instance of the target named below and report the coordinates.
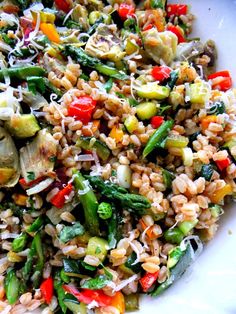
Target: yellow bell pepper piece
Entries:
(20, 199)
(117, 134)
(45, 17)
(50, 31)
(118, 301)
(219, 195)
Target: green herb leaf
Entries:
(108, 85)
(84, 77)
(70, 232)
(98, 282)
(30, 175)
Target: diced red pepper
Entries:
(87, 296)
(160, 73)
(222, 164)
(176, 9)
(178, 32)
(82, 108)
(126, 10)
(25, 185)
(157, 121)
(221, 80)
(46, 289)
(63, 5)
(59, 199)
(148, 280)
(149, 26)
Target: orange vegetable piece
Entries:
(117, 134)
(118, 301)
(50, 31)
(149, 231)
(90, 130)
(219, 195)
(207, 120)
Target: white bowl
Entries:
(209, 286)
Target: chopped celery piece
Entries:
(178, 141)
(131, 124)
(153, 91)
(97, 247)
(199, 93)
(187, 226)
(146, 110)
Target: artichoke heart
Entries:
(160, 46)
(38, 157)
(104, 44)
(9, 160)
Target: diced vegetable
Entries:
(36, 157)
(20, 242)
(168, 177)
(59, 199)
(12, 284)
(90, 143)
(186, 226)
(124, 176)
(187, 155)
(72, 268)
(178, 141)
(222, 164)
(178, 31)
(61, 295)
(153, 91)
(130, 263)
(157, 121)
(174, 256)
(131, 123)
(46, 289)
(74, 305)
(216, 210)
(64, 5)
(176, 9)
(218, 195)
(104, 210)
(36, 225)
(82, 108)
(207, 171)
(148, 280)
(126, 10)
(131, 302)
(221, 80)
(173, 235)
(117, 134)
(98, 282)
(131, 47)
(45, 17)
(70, 232)
(158, 136)
(118, 302)
(21, 73)
(176, 272)
(97, 247)
(89, 202)
(199, 93)
(161, 73)
(146, 110)
(22, 126)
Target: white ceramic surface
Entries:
(209, 287)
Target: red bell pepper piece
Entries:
(82, 108)
(25, 185)
(59, 199)
(176, 9)
(160, 73)
(149, 26)
(157, 121)
(221, 80)
(87, 296)
(222, 164)
(63, 5)
(178, 32)
(148, 280)
(46, 289)
(126, 10)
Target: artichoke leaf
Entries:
(104, 44)
(38, 157)
(160, 46)
(9, 160)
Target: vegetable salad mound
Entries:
(117, 152)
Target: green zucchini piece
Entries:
(90, 143)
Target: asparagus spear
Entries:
(89, 203)
(19, 243)
(21, 73)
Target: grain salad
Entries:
(117, 152)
